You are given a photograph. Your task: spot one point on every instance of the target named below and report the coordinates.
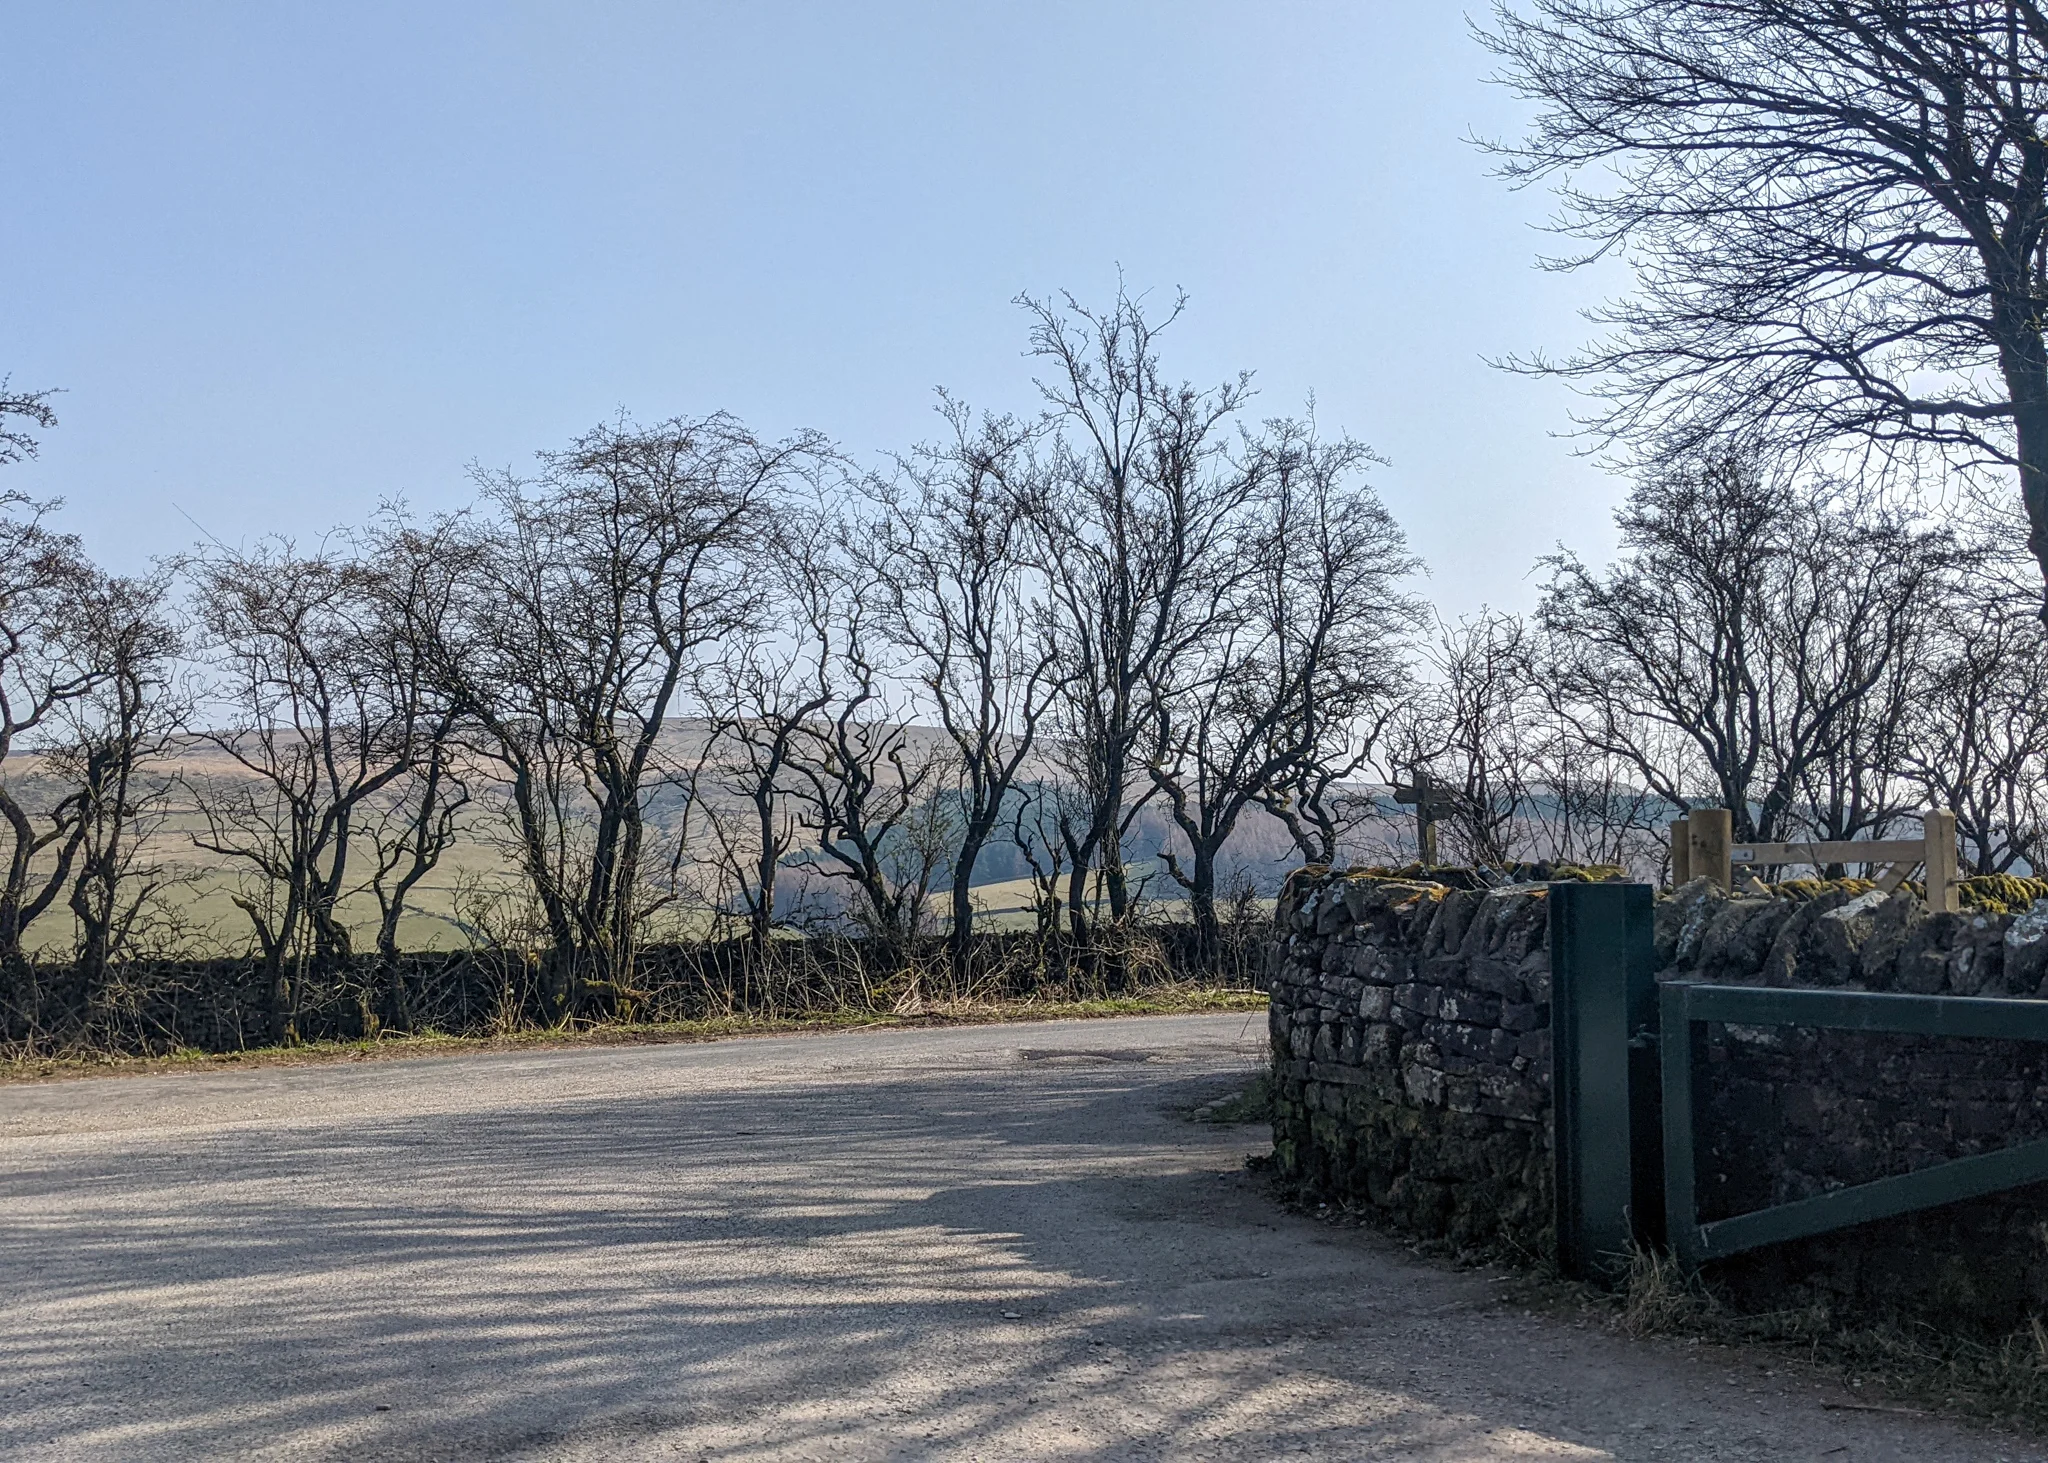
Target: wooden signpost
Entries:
(1430, 798)
(1702, 846)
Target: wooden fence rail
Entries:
(1703, 845)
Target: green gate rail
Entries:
(1683, 1011)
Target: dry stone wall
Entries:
(1411, 1059)
(1788, 1113)
(1411, 1053)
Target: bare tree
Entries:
(1131, 523)
(871, 797)
(1837, 214)
(1041, 828)
(412, 822)
(315, 729)
(589, 598)
(1593, 806)
(741, 788)
(1741, 638)
(1323, 798)
(32, 410)
(1510, 778)
(410, 827)
(1471, 733)
(1306, 632)
(947, 545)
(50, 658)
(877, 805)
(1974, 729)
(761, 696)
(1327, 585)
(80, 663)
(112, 748)
(1852, 784)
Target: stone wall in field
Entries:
(1411, 1060)
(231, 1004)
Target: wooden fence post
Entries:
(1709, 834)
(1681, 853)
(1940, 863)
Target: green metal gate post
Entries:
(1608, 1128)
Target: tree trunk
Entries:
(278, 943)
(94, 910)
(2024, 360)
(2031, 421)
(394, 1014)
(278, 986)
(960, 939)
(14, 895)
(1202, 903)
(1077, 901)
(763, 913)
(1113, 878)
(1109, 840)
(558, 967)
(10, 932)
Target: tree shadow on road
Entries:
(952, 1263)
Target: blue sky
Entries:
(288, 261)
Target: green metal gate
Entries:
(1626, 1059)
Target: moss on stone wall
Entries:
(2001, 893)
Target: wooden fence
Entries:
(1702, 844)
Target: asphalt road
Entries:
(994, 1242)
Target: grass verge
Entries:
(1167, 1001)
(1895, 1363)
(1252, 1103)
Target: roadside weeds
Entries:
(1899, 1362)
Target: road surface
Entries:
(984, 1242)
